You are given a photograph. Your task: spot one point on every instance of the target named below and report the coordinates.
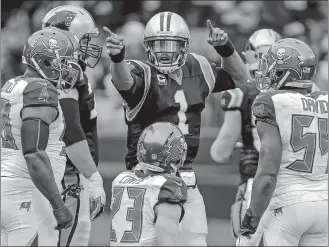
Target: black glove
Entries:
(249, 224)
(63, 217)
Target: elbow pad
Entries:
(34, 135)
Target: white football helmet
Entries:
(78, 21)
(166, 39)
(258, 43)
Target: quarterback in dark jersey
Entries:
(172, 86)
(81, 181)
(239, 122)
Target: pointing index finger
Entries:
(108, 31)
(209, 25)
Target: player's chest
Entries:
(168, 93)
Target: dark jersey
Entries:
(241, 99)
(81, 108)
(178, 99)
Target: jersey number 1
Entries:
(307, 141)
(134, 214)
(181, 100)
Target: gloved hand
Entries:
(63, 217)
(97, 196)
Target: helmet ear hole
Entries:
(279, 73)
(46, 63)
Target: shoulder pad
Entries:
(173, 191)
(208, 70)
(72, 94)
(136, 67)
(40, 92)
(232, 99)
(317, 94)
(263, 108)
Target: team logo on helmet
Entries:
(285, 58)
(51, 46)
(61, 19)
(174, 148)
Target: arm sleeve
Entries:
(223, 81)
(232, 99)
(73, 128)
(88, 118)
(135, 94)
(173, 191)
(264, 110)
(40, 93)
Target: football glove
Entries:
(63, 217)
(97, 196)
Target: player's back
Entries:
(134, 197)
(302, 122)
(17, 94)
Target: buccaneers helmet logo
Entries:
(61, 20)
(286, 58)
(173, 149)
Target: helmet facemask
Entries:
(89, 54)
(166, 53)
(62, 70)
(252, 57)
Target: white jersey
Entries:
(16, 94)
(134, 196)
(302, 121)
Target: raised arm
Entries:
(131, 78)
(232, 63)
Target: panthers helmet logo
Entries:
(61, 20)
(285, 58)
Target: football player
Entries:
(32, 162)
(239, 121)
(289, 199)
(81, 179)
(172, 86)
(151, 198)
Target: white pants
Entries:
(194, 227)
(78, 203)
(18, 226)
(301, 224)
(45, 220)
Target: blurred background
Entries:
(306, 20)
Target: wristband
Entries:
(225, 50)
(118, 58)
(95, 178)
(56, 202)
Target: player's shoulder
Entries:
(39, 91)
(173, 189)
(138, 66)
(197, 64)
(319, 95)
